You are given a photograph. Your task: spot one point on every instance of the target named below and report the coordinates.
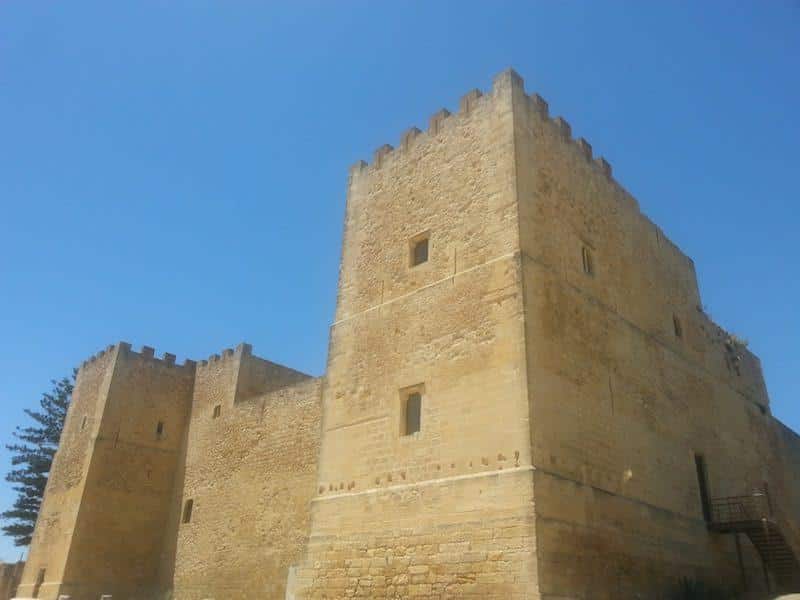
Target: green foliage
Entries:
(693, 589)
(32, 456)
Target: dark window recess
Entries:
(187, 511)
(702, 484)
(419, 252)
(413, 413)
(83, 423)
(160, 429)
(217, 411)
(676, 325)
(39, 582)
(588, 260)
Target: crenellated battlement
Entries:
(468, 104)
(584, 149)
(243, 349)
(438, 122)
(97, 356)
(146, 352)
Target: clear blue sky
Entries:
(173, 173)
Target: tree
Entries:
(32, 457)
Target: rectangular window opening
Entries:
(160, 429)
(217, 411)
(588, 260)
(83, 423)
(419, 250)
(702, 484)
(412, 413)
(187, 511)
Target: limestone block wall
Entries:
(446, 511)
(628, 381)
(250, 473)
(791, 445)
(113, 476)
(124, 510)
(55, 525)
(786, 480)
(10, 574)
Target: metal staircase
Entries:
(754, 516)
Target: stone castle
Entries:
(523, 399)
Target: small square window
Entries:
(588, 260)
(217, 411)
(412, 411)
(187, 511)
(419, 250)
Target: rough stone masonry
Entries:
(523, 399)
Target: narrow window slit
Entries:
(588, 260)
(413, 413)
(187, 511)
(702, 484)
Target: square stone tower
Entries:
(425, 462)
(106, 509)
(524, 398)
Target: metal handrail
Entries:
(755, 506)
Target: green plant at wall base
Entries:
(32, 457)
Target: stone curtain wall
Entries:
(250, 473)
(787, 489)
(621, 396)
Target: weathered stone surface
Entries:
(10, 574)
